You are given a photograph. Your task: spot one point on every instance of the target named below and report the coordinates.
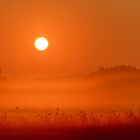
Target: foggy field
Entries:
(117, 87)
(69, 125)
(102, 105)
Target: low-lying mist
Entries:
(105, 89)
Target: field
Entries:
(69, 125)
(103, 105)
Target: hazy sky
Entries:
(83, 34)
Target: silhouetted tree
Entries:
(2, 78)
(0, 71)
(120, 68)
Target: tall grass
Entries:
(64, 118)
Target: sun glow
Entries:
(41, 43)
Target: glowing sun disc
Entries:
(41, 43)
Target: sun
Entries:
(41, 43)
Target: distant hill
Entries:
(117, 75)
(102, 72)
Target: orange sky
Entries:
(83, 34)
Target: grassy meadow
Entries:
(69, 124)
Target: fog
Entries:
(84, 91)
